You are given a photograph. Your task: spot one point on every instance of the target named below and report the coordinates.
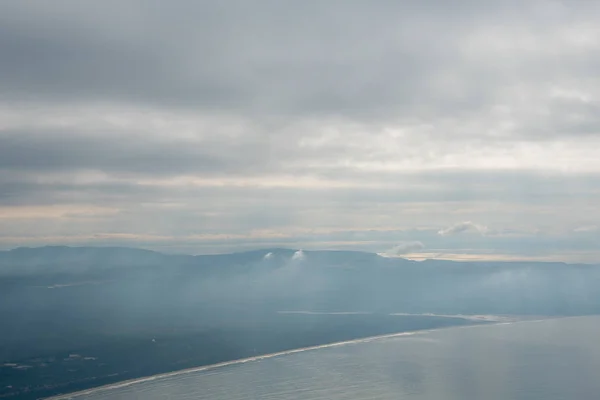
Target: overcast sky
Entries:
(436, 128)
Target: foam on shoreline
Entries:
(135, 381)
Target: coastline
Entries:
(185, 371)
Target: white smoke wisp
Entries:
(404, 248)
(298, 256)
(466, 226)
(268, 256)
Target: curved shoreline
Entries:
(186, 371)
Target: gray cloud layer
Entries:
(178, 118)
(347, 58)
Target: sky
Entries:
(429, 129)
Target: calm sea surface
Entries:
(552, 359)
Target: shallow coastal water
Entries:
(552, 359)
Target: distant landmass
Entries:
(79, 317)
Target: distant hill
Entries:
(27, 259)
(65, 259)
(330, 280)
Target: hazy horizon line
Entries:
(417, 257)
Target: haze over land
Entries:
(80, 317)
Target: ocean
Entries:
(533, 360)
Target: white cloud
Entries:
(466, 226)
(404, 248)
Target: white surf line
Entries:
(470, 317)
(131, 382)
(64, 285)
(135, 381)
